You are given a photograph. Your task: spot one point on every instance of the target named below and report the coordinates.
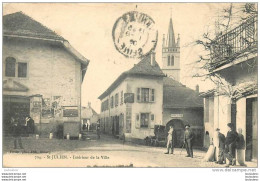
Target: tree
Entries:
(234, 23)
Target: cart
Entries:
(160, 137)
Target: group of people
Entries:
(228, 145)
(188, 141)
(86, 126)
(17, 130)
(225, 146)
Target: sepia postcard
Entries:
(130, 85)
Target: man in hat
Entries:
(230, 144)
(188, 140)
(17, 132)
(170, 141)
(221, 146)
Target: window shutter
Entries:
(152, 120)
(151, 95)
(138, 94)
(137, 121)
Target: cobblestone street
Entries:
(107, 151)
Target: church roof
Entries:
(143, 68)
(177, 95)
(170, 37)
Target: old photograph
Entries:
(130, 85)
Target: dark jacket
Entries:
(240, 143)
(30, 125)
(16, 130)
(232, 137)
(222, 140)
(188, 136)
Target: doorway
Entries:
(17, 107)
(116, 125)
(251, 129)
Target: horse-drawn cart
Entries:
(160, 137)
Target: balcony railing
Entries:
(237, 41)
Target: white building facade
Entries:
(132, 105)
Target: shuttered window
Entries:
(145, 95)
(112, 102)
(10, 67)
(116, 100)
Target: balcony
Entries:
(236, 43)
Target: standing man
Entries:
(17, 131)
(170, 141)
(88, 125)
(221, 147)
(30, 125)
(230, 146)
(188, 141)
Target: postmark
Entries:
(134, 34)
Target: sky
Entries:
(88, 28)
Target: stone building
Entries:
(42, 76)
(132, 105)
(234, 59)
(147, 95)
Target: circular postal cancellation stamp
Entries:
(134, 34)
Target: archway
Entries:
(178, 126)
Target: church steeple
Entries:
(170, 37)
(171, 54)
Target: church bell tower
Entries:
(171, 54)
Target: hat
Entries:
(217, 129)
(231, 125)
(187, 126)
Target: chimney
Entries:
(89, 104)
(197, 88)
(152, 57)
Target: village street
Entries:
(107, 151)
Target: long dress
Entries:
(209, 157)
(241, 150)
